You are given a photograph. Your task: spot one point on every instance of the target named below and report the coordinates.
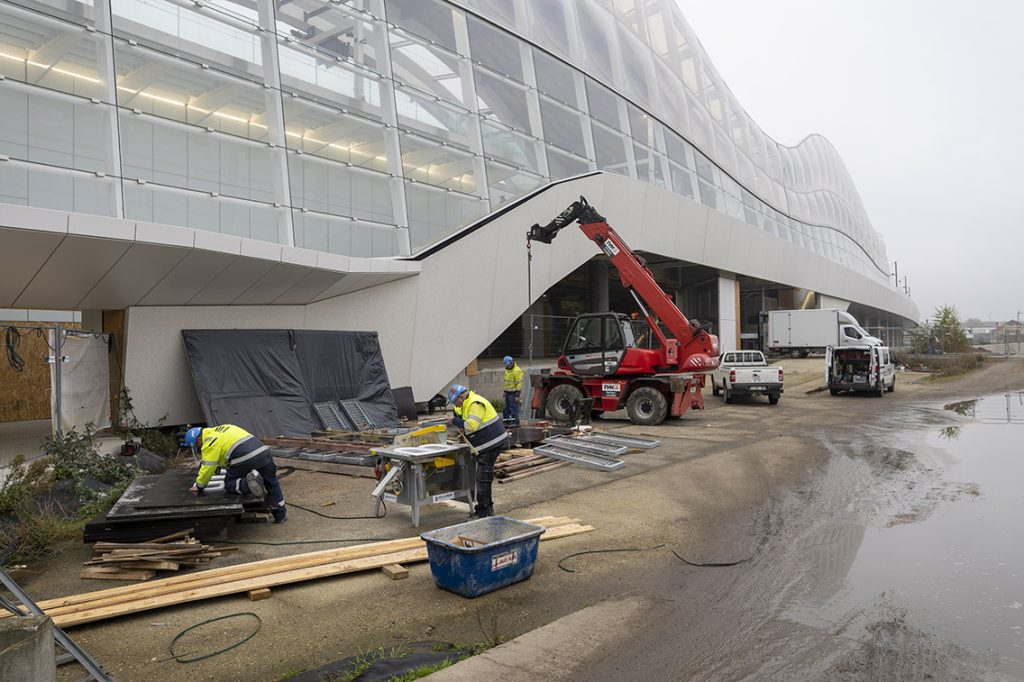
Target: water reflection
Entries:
(1008, 410)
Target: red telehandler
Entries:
(601, 358)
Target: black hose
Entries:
(12, 339)
(179, 657)
(341, 518)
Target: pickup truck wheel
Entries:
(833, 391)
(714, 388)
(773, 398)
(727, 393)
(647, 406)
(559, 399)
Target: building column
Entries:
(597, 279)
(728, 314)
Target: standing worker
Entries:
(513, 387)
(478, 419)
(247, 461)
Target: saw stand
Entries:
(425, 474)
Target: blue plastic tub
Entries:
(483, 555)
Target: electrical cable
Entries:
(12, 339)
(193, 659)
(341, 518)
(712, 564)
(602, 551)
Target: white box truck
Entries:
(803, 331)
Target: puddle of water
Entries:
(960, 570)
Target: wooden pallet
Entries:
(244, 578)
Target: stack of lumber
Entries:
(258, 575)
(141, 560)
(523, 464)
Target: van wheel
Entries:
(714, 388)
(880, 392)
(773, 398)
(892, 386)
(559, 400)
(647, 406)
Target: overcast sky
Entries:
(923, 99)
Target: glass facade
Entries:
(376, 127)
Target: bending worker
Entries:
(513, 387)
(247, 461)
(483, 428)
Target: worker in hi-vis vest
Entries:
(250, 467)
(484, 430)
(513, 388)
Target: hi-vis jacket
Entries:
(513, 379)
(482, 424)
(223, 446)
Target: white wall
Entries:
(728, 325)
(433, 324)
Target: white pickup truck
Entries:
(745, 372)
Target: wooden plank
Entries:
(93, 614)
(116, 574)
(247, 570)
(174, 536)
(395, 571)
(260, 594)
(153, 565)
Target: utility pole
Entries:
(1018, 333)
(896, 272)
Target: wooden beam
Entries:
(395, 571)
(260, 594)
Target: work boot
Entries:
(280, 515)
(255, 483)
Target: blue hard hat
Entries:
(507, 360)
(192, 436)
(455, 391)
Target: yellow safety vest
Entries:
(514, 378)
(481, 422)
(219, 444)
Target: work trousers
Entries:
(484, 480)
(263, 464)
(511, 411)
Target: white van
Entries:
(860, 369)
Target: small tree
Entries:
(948, 331)
(920, 338)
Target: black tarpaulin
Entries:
(266, 380)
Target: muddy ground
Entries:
(780, 489)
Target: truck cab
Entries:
(860, 369)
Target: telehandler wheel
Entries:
(559, 399)
(647, 406)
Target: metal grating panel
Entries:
(579, 444)
(357, 415)
(587, 459)
(627, 441)
(329, 416)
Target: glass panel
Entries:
(610, 150)
(430, 19)
(328, 187)
(325, 79)
(682, 180)
(435, 213)
(335, 29)
(427, 68)
(700, 125)
(705, 169)
(426, 161)
(550, 27)
(612, 334)
(507, 183)
(316, 129)
(438, 119)
(171, 206)
(641, 126)
(495, 48)
(27, 184)
(679, 150)
(191, 31)
(555, 78)
(179, 156)
(503, 10)
(51, 128)
(604, 104)
(561, 165)
(76, 11)
(597, 28)
(338, 235)
(637, 68)
(52, 54)
(163, 86)
(508, 145)
(562, 126)
(503, 100)
(648, 165)
(585, 336)
(708, 194)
